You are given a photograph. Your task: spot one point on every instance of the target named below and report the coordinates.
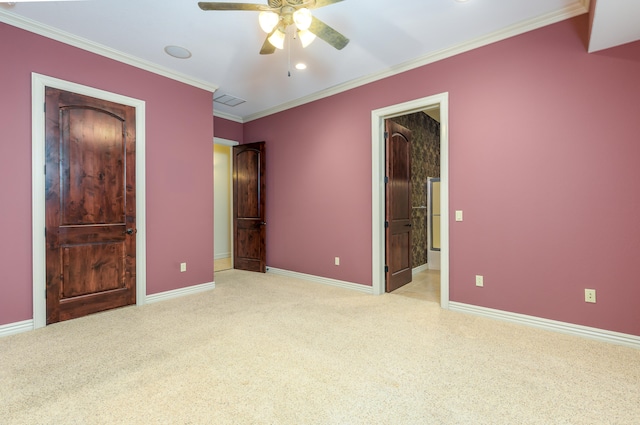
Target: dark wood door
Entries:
(90, 205)
(398, 206)
(249, 232)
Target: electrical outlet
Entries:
(479, 280)
(183, 267)
(590, 295)
(337, 261)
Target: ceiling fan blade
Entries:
(328, 34)
(209, 5)
(323, 3)
(267, 47)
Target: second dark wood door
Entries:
(249, 232)
(398, 206)
(90, 205)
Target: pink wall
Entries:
(543, 160)
(179, 170)
(226, 129)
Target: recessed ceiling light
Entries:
(177, 52)
(301, 66)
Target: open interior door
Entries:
(398, 206)
(249, 226)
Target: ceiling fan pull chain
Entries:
(289, 59)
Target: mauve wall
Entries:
(179, 170)
(226, 129)
(544, 158)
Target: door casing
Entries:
(378, 117)
(38, 84)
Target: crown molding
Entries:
(568, 12)
(226, 116)
(99, 49)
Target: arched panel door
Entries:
(249, 225)
(398, 209)
(90, 205)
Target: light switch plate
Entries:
(458, 215)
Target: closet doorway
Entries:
(222, 204)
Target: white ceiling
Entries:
(386, 37)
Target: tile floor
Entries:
(424, 285)
(222, 264)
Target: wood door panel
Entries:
(246, 242)
(92, 268)
(248, 162)
(398, 206)
(92, 162)
(249, 246)
(90, 205)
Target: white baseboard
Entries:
(222, 256)
(323, 280)
(16, 328)
(176, 293)
(419, 269)
(550, 325)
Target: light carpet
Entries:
(267, 349)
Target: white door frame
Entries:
(231, 144)
(38, 84)
(378, 117)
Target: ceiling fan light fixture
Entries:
(302, 18)
(277, 39)
(268, 21)
(306, 37)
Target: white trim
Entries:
(99, 49)
(180, 292)
(550, 325)
(222, 256)
(419, 269)
(16, 328)
(503, 34)
(227, 116)
(225, 142)
(38, 84)
(323, 280)
(378, 117)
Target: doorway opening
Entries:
(378, 118)
(222, 204)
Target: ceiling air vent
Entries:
(226, 99)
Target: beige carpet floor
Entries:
(265, 349)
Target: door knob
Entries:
(263, 223)
(130, 231)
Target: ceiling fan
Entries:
(11, 4)
(280, 16)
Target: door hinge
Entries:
(44, 109)
(386, 224)
(386, 179)
(386, 135)
(386, 269)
